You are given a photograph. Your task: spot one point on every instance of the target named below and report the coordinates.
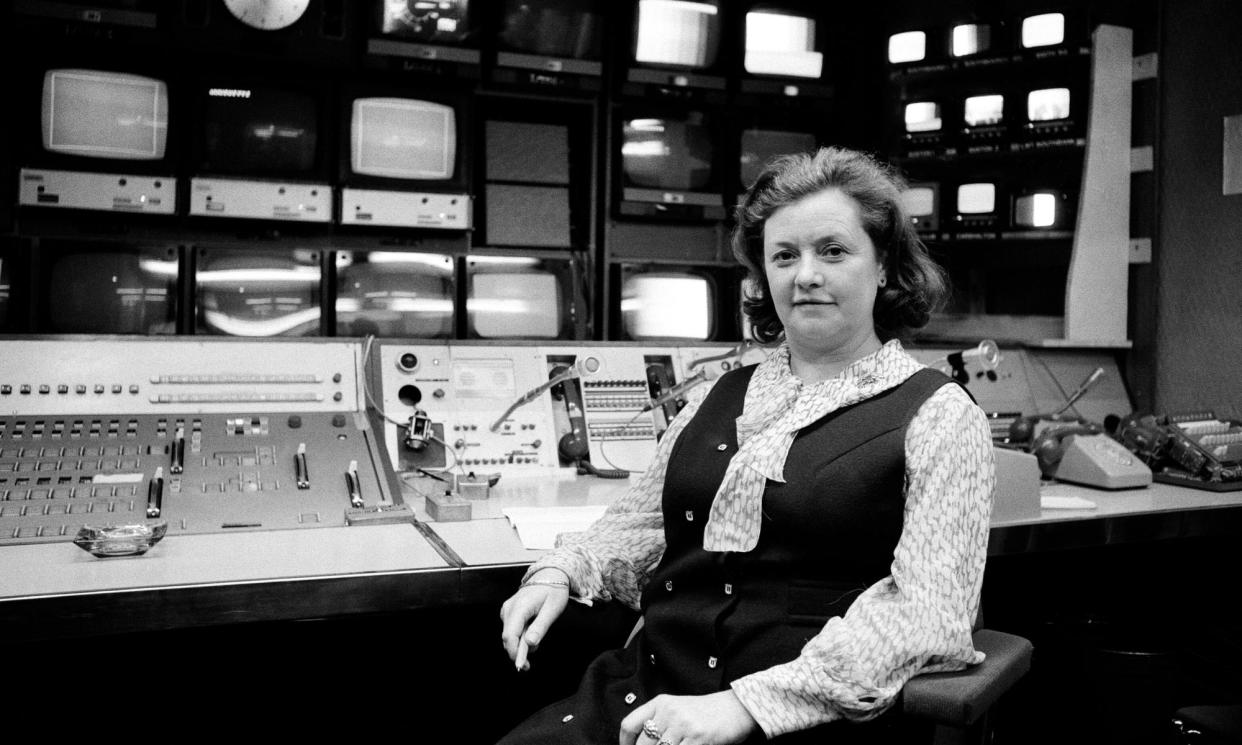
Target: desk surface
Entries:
(58, 589)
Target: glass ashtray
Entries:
(119, 540)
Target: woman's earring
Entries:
(883, 281)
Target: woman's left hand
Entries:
(714, 719)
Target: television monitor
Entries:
(1048, 105)
(922, 117)
(402, 140)
(257, 292)
(260, 130)
(102, 288)
(906, 47)
(669, 158)
(781, 42)
(448, 22)
(667, 303)
(390, 293)
(978, 198)
(566, 29)
(921, 202)
(1043, 30)
(1041, 209)
(682, 34)
(95, 119)
(970, 39)
(518, 297)
(762, 145)
(983, 110)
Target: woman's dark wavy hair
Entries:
(917, 286)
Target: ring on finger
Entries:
(652, 730)
(664, 741)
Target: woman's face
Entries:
(823, 272)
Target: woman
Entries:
(813, 531)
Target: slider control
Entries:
(299, 463)
(178, 452)
(155, 493)
(352, 484)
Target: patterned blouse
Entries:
(916, 620)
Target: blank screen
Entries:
(111, 292)
(1048, 104)
(667, 306)
(923, 116)
(1043, 30)
(781, 44)
(403, 138)
(1038, 210)
(515, 305)
(908, 46)
(385, 293)
(762, 145)
(243, 292)
(678, 32)
(556, 28)
(259, 131)
(667, 153)
(442, 21)
(976, 199)
(919, 201)
(104, 115)
(981, 111)
(971, 38)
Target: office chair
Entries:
(957, 703)
(1208, 725)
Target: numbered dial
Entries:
(267, 15)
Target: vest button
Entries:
(668, 585)
(567, 718)
(689, 516)
(630, 698)
(711, 662)
(728, 589)
(722, 447)
(653, 659)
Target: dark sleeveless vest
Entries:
(828, 533)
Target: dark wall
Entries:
(1198, 264)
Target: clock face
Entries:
(267, 15)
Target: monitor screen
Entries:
(432, 21)
(780, 43)
(259, 131)
(515, 299)
(678, 33)
(923, 116)
(919, 202)
(388, 293)
(668, 153)
(1048, 104)
(970, 38)
(110, 290)
(667, 305)
(255, 292)
(97, 114)
(1044, 30)
(1041, 209)
(403, 138)
(980, 111)
(976, 199)
(762, 145)
(553, 28)
(908, 46)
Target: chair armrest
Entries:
(960, 698)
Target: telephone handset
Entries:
(573, 446)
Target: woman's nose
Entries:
(808, 274)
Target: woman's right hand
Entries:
(529, 612)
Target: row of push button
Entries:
(26, 389)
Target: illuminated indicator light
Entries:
(984, 110)
(976, 199)
(923, 116)
(1043, 30)
(908, 46)
(1048, 104)
(970, 38)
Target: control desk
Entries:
(309, 478)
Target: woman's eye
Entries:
(832, 249)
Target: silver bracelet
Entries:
(546, 583)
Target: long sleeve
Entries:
(919, 618)
(615, 556)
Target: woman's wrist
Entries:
(548, 577)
